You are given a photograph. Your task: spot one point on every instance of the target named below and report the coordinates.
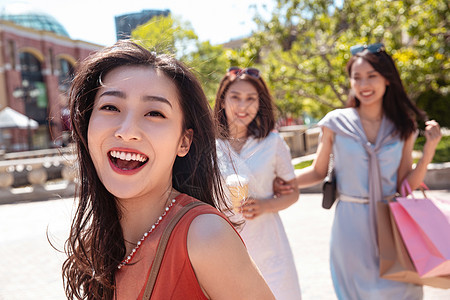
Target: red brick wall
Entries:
(47, 45)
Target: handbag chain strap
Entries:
(330, 165)
(162, 247)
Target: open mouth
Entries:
(367, 93)
(127, 160)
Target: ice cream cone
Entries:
(238, 187)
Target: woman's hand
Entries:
(281, 187)
(433, 136)
(252, 208)
(415, 177)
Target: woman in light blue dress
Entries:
(372, 142)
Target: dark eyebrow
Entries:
(369, 72)
(157, 98)
(122, 95)
(115, 93)
(237, 92)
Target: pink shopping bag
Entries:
(425, 229)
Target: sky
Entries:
(216, 21)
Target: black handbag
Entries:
(329, 190)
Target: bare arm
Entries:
(255, 207)
(318, 170)
(313, 174)
(221, 262)
(416, 176)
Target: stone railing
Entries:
(37, 175)
(300, 139)
(51, 173)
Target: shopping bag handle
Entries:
(407, 188)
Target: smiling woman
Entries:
(372, 142)
(249, 148)
(146, 147)
(137, 112)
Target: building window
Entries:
(31, 67)
(66, 74)
(35, 107)
(51, 61)
(12, 53)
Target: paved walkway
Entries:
(31, 268)
(308, 226)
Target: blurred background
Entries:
(301, 48)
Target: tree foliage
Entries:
(302, 50)
(210, 64)
(173, 36)
(166, 34)
(305, 45)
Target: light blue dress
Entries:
(353, 258)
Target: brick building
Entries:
(37, 59)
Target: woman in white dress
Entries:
(249, 146)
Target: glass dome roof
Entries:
(28, 17)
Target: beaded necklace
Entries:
(139, 243)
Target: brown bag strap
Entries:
(162, 247)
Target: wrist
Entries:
(267, 205)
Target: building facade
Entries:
(37, 59)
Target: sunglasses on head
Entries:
(373, 48)
(238, 71)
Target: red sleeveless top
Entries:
(176, 278)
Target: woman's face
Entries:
(368, 85)
(135, 131)
(241, 105)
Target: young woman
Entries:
(372, 142)
(249, 147)
(146, 148)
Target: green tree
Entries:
(166, 35)
(210, 63)
(304, 46)
(174, 36)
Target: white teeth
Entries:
(128, 156)
(366, 93)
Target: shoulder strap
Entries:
(162, 247)
(330, 165)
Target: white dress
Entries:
(261, 160)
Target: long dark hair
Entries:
(96, 246)
(264, 121)
(396, 104)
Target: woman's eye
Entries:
(109, 107)
(155, 114)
